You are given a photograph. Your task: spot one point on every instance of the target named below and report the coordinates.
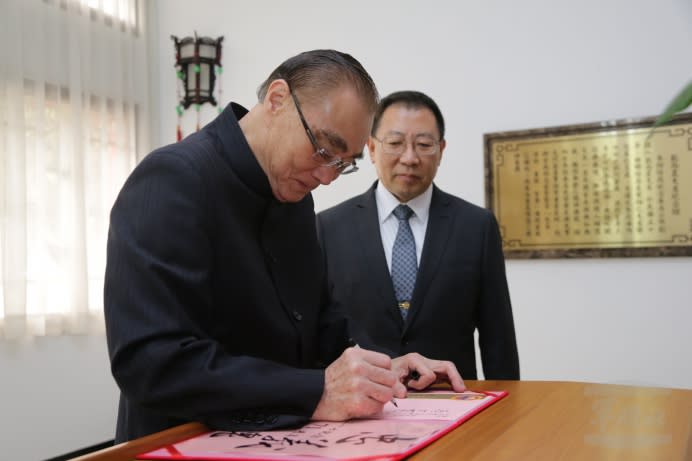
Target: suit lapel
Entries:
(367, 228)
(437, 235)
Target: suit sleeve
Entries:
(159, 307)
(335, 331)
(338, 329)
(497, 339)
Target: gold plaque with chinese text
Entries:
(603, 189)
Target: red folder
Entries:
(396, 433)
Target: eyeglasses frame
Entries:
(321, 154)
(435, 152)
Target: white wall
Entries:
(57, 396)
(491, 66)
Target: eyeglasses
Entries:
(423, 144)
(322, 155)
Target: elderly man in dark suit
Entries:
(418, 268)
(214, 281)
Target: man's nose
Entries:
(409, 155)
(325, 174)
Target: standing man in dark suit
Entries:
(455, 280)
(214, 290)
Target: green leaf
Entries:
(681, 102)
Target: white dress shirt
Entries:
(389, 224)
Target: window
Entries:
(122, 10)
(71, 124)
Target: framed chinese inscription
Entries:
(614, 188)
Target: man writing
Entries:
(424, 269)
(214, 291)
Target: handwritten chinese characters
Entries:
(395, 432)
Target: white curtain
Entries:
(73, 105)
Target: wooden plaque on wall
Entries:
(601, 189)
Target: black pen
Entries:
(353, 343)
(413, 375)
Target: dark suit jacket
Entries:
(214, 292)
(460, 286)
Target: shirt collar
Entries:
(386, 202)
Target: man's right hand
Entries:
(358, 384)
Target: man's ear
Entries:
(277, 97)
(371, 148)
(443, 144)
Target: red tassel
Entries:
(179, 133)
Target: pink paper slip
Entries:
(397, 432)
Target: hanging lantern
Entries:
(197, 63)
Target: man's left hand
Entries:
(419, 372)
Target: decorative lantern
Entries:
(197, 63)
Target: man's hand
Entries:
(420, 372)
(358, 384)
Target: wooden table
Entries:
(539, 420)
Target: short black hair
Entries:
(315, 72)
(412, 100)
